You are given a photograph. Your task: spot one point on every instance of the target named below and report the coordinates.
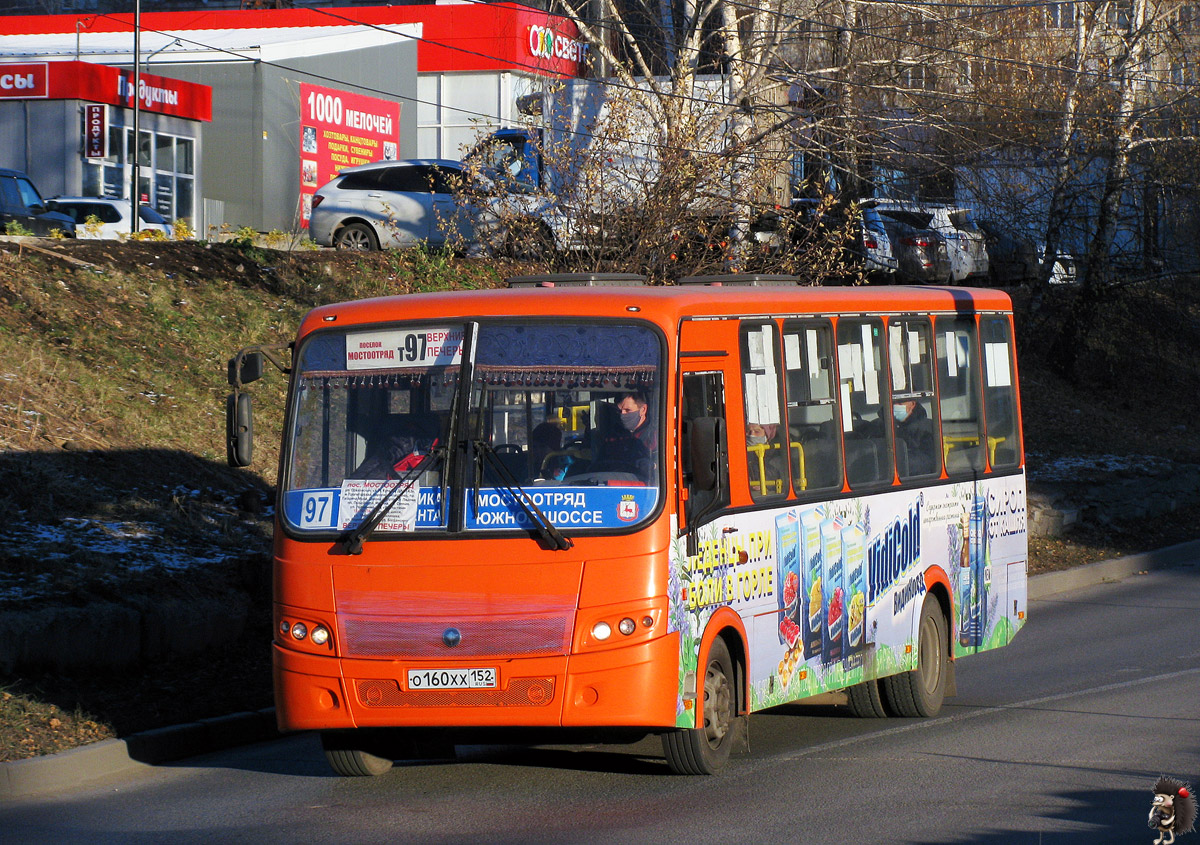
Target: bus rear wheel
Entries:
(922, 691)
(866, 700)
(347, 757)
(705, 750)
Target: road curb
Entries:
(67, 769)
(1053, 583)
(24, 778)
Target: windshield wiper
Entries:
(509, 483)
(353, 544)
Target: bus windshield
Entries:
(565, 416)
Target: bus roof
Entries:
(665, 305)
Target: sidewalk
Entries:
(24, 778)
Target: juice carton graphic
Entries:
(853, 554)
(833, 592)
(811, 598)
(787, 561)
(973, 594)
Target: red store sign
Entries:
(95, 130)
(340, 129)
(104, 84)
(25, 81)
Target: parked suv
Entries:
(964, 242)
(21, 203)
(113, 217)
(920, 249)
(392, 204)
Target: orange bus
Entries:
(587, 505)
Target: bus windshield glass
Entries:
(563, 416)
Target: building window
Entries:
(1060, 16)
(166, 177)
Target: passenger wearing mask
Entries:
(916, 429)
(636, 420)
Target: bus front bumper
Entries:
(619, 687)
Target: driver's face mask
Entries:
(629, 419)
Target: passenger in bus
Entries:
(544, 440)
(635, 417)
(916, 430)
(410, 438)
(766, 475)
(615, 448)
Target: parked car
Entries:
(389, 204)
(20, 203)
(865, 243)
(113, 217)
(1014, 258)
(920, 250)
(964, 242)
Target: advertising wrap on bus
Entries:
(654, 509)
(829, 588)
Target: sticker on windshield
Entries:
(404, 349)
(359, 498)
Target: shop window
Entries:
(184, 152)
(164, 152)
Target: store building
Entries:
(296, 94)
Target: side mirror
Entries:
(239, 429)
(705, 437)
(245, 367)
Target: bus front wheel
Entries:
(705, 750)
(922, 691)
(347, 757)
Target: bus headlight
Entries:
(602, 631)
(299, 630)
(320, 635)
(626, 626)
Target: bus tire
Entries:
(355, 236)
(350, 761)
(866, 700)
(705, 750)
(920, 693)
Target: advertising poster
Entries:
(340, 129)
(829, 593)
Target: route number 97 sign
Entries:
(404, 349)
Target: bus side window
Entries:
(766, 461)
(958, 396)
(999, 394)
(814, 446)
(703, 397)
(910, 359)
(865, 427)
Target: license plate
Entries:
(422, 679)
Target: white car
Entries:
(107, 218)
(389, 204)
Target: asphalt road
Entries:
(1055, 739)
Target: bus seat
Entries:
(820, 464)
(863, 464)
(902, 457)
